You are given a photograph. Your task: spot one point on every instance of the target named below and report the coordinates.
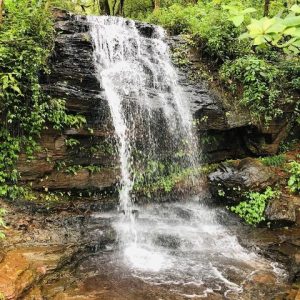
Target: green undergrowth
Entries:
(261, 72)
(26, 41)
(294, 179)
(252, 209)
(273, 161)
(157, 177)
(75, 168)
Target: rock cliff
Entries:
(92, 164)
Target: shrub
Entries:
(294, 180)
(252, 210)
(259, 82)
(274, 161)
(208, 24)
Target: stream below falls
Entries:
(181, 251)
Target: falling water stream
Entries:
(181, 244)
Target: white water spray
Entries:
(140, 83)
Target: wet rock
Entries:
(184, 214)
(295, 268)
(232, 179)
(22, 268)
(82, 180)
(145, 29)
(168, 241)
(281, 211)
(38, 245)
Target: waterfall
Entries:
(150, 113)
(179, 245)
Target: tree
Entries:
(104, 7)
(267, 8)
(121, 9)
(156, 4)
(1, 10)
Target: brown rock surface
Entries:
(232, 179)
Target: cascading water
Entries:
(176, 244)
(141, 87)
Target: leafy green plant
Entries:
(93, 169)
(252, 210)
(259, 82)
(180, 56)
(274, 161)
(73, 170)
(236, 14)
(279, 32)
(70, 142)
(294, 180)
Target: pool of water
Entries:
(174, 251)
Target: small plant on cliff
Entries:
(294, 180)
(252, 210)
(71, 142)
(273, 161)
(259, 83)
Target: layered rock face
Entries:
(92, 163)
(226, 129)
(230, 183)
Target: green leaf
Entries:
(237, 20)
(295, 8)
(276, 28)
(291, 21)
(290, 31)
(17, 89)
(255, 27)
(259, 40)
(245, 35)
(249, 10)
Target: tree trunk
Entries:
(104, 7)
(114, 11)
(156, 4)
(1, 10)
(267, 8)
(153, 4)
(121, 9)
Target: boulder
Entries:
(232, 179)
(281, 211)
